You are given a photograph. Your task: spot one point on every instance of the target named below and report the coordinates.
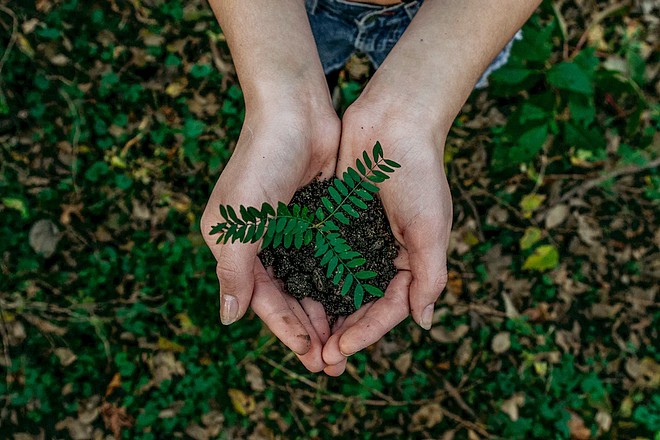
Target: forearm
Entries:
(273, 50)
(444, 51)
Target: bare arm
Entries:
(273, 50)
(290, 135)
(409, 106)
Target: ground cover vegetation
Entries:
(116, 119)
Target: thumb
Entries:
(428, 265)
(235, 270)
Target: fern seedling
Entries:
(297, 226)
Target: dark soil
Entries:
(302, 273)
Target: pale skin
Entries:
(292, 134)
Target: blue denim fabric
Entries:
(343, 27)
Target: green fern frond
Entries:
(294, 225)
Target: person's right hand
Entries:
(279, 151)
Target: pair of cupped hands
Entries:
(283, 147)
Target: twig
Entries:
(589, 184)
(75, 114)
(5, 351)
(602, 15)
(470, 202)
(12, 39)
(10, 46)
(386, 400)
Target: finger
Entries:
(382, 317)
(428, 263)
(317, 317)
(235, 271)
(332, 355)
(336, 370)
(234, 268)
(313, 359)
(273, 309)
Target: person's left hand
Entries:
(417, 201)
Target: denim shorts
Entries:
(343, 27)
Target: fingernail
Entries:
(427, 317)
(346, 355)
(228, 309)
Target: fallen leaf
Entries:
(427, 417)
(501, 342)
(512, 405)
(556, 216)
(66, 356)
(444, 336)
(530, 238)
(403, 362)
(604, 420)
(254, 377)
(531, 203)
(43, 237)
(544, 258)
(577, 428)
(243, 404)
(167, 345)
(115, 418)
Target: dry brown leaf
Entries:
(254, 377)
(66, 356)
(403, 362)
(512, 405)
(556, 216)
(464, 353)
(577, 428)
(115, 418)
(501, 342)
(243, 404)
(444, 336)
(427, 417)
(43, 238)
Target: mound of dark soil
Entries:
(302, 273)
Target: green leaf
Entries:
(373, 290)
(369, 187)
(392, 163)
(307, 239)
(319, 214)
(347, 284)
(327, 204)
(354, 174)
(385, 168)
(340, 185)
(260, 230)
(341, 217)
(298, 240)
(280, 225)
(267, 210)
(233, 216)
(334, 194)
(250, 233)
(340, 272)
(365, 195)
(377, 152)
(360, 167)
(569, 76)
(365, 274)
(288, 240)
(245, 214)
(348, 179)
(291, 224)
(326, 258)
(545, 257)
(357, 202)
(358, 296)
(329, 225)
(350, 211)
(366, 159)
(223, 212)
(332, 264)
(355, 263)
